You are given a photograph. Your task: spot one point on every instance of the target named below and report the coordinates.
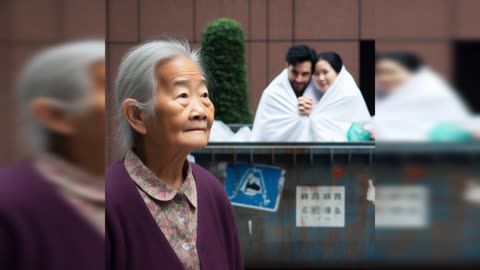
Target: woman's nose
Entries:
(199, 115)
(198, 110)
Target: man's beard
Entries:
(299, 93)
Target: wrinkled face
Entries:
(389, 75)
(325, 75)
(300, 75)
(184, 112)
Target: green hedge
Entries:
(223, 50)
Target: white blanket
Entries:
(220, 132)
(415, 108)
(341, 105)
(277, 118)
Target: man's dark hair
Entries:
(408, 60)
(333, 59)
(299, 54)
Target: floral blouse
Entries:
(174, 211)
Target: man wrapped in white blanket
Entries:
(336, 102)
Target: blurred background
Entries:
(442, 33)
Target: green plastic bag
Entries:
(356, 133)
(449, 132)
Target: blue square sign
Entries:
(254, 186)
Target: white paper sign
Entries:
(320, 206)
(401, 207)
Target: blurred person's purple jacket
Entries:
(39, 229)
(134, 240)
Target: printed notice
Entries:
(401, 207)
(320, 206)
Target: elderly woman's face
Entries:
(184, 112)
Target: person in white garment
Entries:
(282, 113)
(328, 105)
(338, 102)
(411, 99)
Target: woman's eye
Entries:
(183, 95)
(205, 95)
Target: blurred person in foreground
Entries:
(52, 205)
(164, 212)
(413, 103)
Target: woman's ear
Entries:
(135, 117)
(46, 111)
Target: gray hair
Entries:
(59, 73)
(136, 78)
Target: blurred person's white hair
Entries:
(60, 73)
(137, 80)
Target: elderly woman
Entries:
(162, 211)
(52, 211)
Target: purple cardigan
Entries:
(134, 240)
(39, 229)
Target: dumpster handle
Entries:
(250, 229)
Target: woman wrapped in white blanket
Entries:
(341, 104)
(412, 99)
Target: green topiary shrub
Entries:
(223, 50)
